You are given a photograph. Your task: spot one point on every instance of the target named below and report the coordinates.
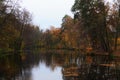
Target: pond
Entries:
(58, 65)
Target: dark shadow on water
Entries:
(75, 65)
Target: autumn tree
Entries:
(68, 32)
(14, 21)
(7, 18)
(94, 16)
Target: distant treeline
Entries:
(95, 25)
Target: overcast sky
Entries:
(48, 13)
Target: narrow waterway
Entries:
(58, 65)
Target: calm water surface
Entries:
(42, 72)
(58, 65)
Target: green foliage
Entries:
(95, 16)
(16, 30)
(89, 28)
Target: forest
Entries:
(95, 27)
(84, 47)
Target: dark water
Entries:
(58, 65)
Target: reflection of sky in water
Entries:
(44, 73)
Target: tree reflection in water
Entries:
(75, 65)
(91, 67)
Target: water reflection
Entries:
(43, 73)
(70, 65)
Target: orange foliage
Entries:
(89, 49)
(89, 59)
